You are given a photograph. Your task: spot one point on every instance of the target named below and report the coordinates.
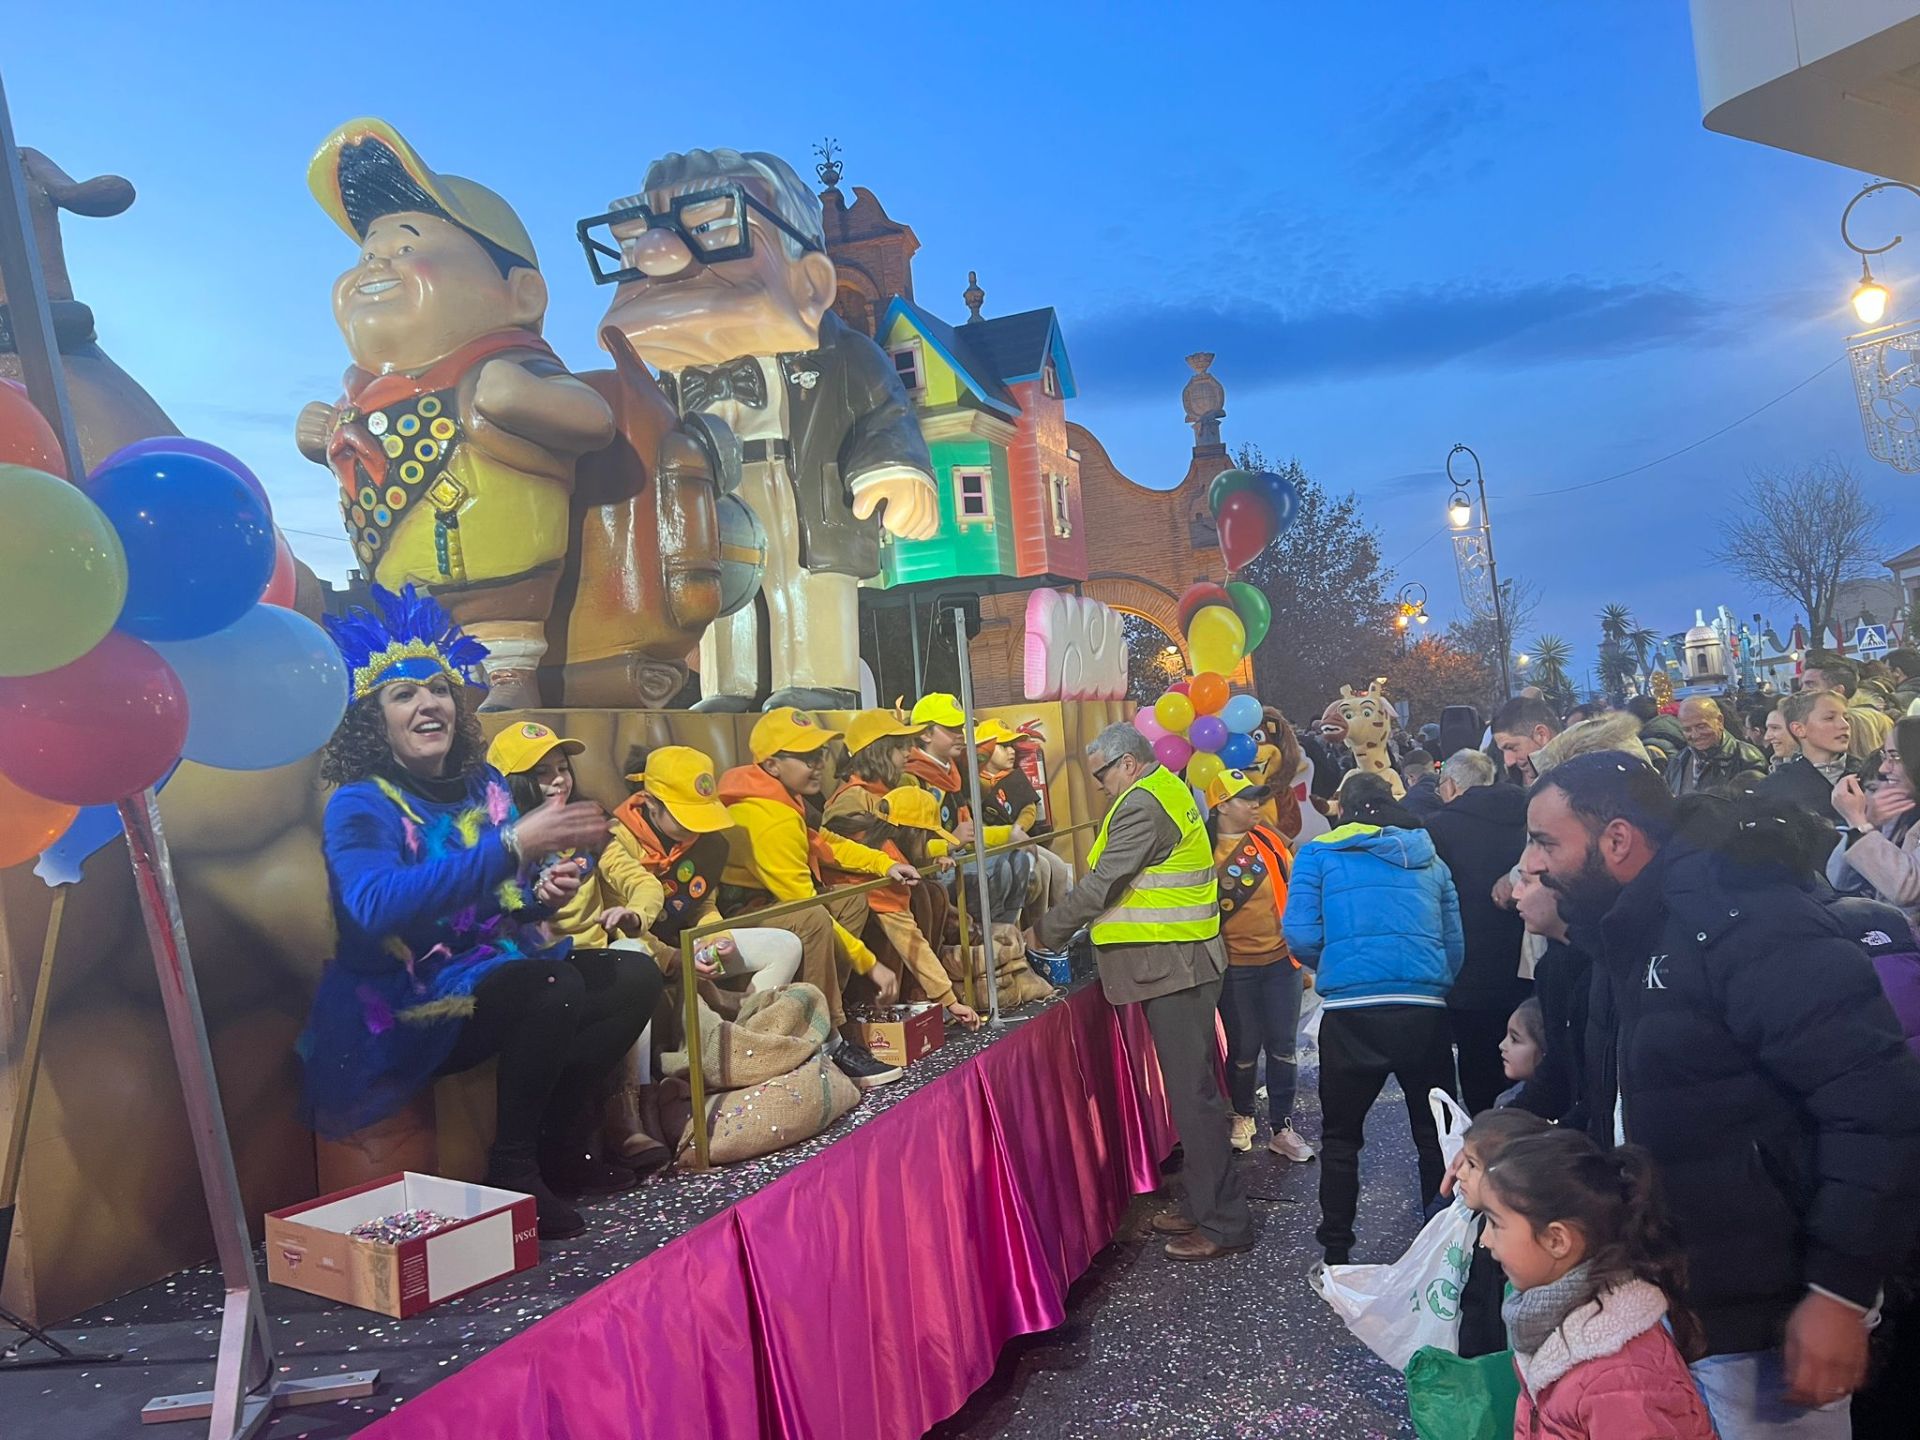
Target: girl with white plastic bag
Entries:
(1396, 1309)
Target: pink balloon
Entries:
(1147, 723)
(1172, 752)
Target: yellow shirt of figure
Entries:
(616, 879)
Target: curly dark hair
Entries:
(359, 744)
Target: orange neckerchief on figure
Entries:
(750, 782)
(655, 853)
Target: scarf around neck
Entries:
(1533, 1315)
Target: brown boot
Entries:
(1172, 1222)
(1196, 1246)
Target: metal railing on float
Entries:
(974, 858)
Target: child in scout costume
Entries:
(775, 854)
(1260, 997)
(1008, 797)
(877, 744)
(934, 765)
(615, 895)
(455, 440)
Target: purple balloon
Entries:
(181, 445)
(1172, 752)
(1148, 724)
(1208, 733)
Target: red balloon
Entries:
(1246, 528)
(284, 584)
(1197, 598)
(25, 436)
(1179, 687)
(96, 730)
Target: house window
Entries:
(1050, 379)
(973, 492)
(1062, 514)
(906, 364)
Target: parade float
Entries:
(742, 497)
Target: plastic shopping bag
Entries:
(1454, 1399)
(1450, 1117)
(1396, 1309)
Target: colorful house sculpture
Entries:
(991, 397)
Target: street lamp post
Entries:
(1410, 608)
(1459, 513)
(1869, 298)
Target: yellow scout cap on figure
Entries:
(520, 747)
(871, 725)
(787, 729)
(916, 809)
(681, 778)
(365, 169)
(939, 709)
(995, 732)
(1229, 783)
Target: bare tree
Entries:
(1801, 534)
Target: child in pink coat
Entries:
(1595, 1269)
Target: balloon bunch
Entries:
(1251, 509)
(145, 623)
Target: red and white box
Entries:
(308, 1247)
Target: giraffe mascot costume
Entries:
(1366, 720)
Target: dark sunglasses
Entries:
(1100, 774)
(721, 235)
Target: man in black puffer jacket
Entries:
(1741, 1036)
(1479, 832)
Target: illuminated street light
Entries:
(1870, 298)
(1459, 512)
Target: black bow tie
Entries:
(741, 380)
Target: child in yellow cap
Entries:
(936, 764)
(1261, 993)
(775, 854)
(1008, 798)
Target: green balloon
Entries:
(1225, 484)
(1252, 608)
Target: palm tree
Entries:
(1550, 656)
(1641, 640)
(1616, 624)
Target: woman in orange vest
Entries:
(1260, 997)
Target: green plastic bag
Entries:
(1454, 1399)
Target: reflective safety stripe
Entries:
(1176, 900)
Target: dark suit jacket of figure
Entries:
(847, 414)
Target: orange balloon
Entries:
(282, 587)
(29, 824)
(1208, 693)
(25, 436)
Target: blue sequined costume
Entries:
(428, 901)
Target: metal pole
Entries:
(1493, 570)
(696, 1078)
(979, 829)
(913, 629)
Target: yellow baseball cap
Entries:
(916, 809)
(681, 778)
(520, 747)
(939, 709)
(789, 730)
(366, 169)
(1229, 783)
(995, 732)
(871, 725)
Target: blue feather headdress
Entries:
(411, 637)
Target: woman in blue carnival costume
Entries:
(443, 961)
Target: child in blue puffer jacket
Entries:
(1371, 910)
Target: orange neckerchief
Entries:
(941, 775)
(750, 782)
(655, 854)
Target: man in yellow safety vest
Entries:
(1152, 907)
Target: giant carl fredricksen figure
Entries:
(725, 285)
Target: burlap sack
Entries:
(746, 1124)
(774, 1033)
(1019, 984)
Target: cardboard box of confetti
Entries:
(899, 1034)
(421, 1240)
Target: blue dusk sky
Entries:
(1397, 225)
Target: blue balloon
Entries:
(1241, 714)
(1239, 752)
(199, 543)
(94, 827)
(268, 690)
(1281, 497)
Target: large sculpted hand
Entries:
(313, 430)
(913, 505)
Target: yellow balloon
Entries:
(1174, 711)
(63, 575)
(1216, 639)
(1202, 768)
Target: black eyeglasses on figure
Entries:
(712, 224)
(1100, 775)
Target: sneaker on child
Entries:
(859, 1066)
(1289, 1146)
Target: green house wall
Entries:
(975, 548)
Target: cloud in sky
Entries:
(1539, 322)
(1420, 128)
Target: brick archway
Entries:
(1132, 595)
